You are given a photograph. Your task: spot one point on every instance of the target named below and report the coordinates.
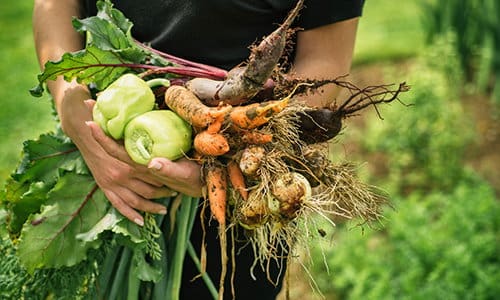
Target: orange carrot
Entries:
(256, 138)
(217, 192)
(191, 109)
(211, 144)
(210, 141)
(254, 115)
(237, 179)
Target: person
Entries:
(215, 32)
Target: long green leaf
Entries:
(91, 65)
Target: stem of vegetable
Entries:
(181, 70)
(158, 82)
(117, 287)
(139, 143)
(107, 269)
(204, 275)
(184, 62)
(134, 283)
(160, 288)
(184, 222)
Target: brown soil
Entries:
(484, 155)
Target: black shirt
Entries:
(219, 32)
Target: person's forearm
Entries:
(52, 28)
(325, 53)
(54, 35)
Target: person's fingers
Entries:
(107, 143)
(180, 169)
(124, 209)
(181, 175)
(139, 203)
(150, 191)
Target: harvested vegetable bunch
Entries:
(263, 153)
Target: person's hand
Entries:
(127, 185)
(182, 175)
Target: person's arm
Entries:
(325, 53)
(127, 185)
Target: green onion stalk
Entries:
(120, 272)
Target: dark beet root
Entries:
(319, 125)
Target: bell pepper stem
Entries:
(141, 148)
(158, 82)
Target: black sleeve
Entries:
(322, 12)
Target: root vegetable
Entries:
(190, 108)
(254, 212)
(244, 83)
(291, 190)
(257, 114)
(322, 124)
(256, 138)
(319, 125)
(210, 144)
(237, 179)
(216, 179)
(251, 160)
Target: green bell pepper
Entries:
(157, 133)
(123, 100)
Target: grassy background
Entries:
(21, 116)
(388, 31)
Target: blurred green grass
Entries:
(386, 32)
(389, 31)
(21, 116)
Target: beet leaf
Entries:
(49, 238)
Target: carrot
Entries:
(217, 197)
(211, 144)
(217, 192)
(243, 83)
(256, 137)
(254, 115)
(191, 109)
(237, 179)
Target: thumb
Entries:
(157, 164)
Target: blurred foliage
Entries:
(435, 246)
(22, 117)
(388, 32)
(424, 141)
(477, 24)
(442, 239)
